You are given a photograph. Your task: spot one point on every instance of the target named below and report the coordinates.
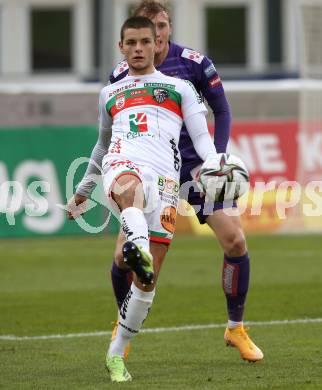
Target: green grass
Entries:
(62, 285)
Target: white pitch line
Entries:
(160, 330)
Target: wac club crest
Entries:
(160, 95)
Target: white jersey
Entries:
(146, 115)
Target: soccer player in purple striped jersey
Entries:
(178, 61)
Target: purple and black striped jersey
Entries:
(188, 64)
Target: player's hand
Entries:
(200, 188)
(211, 163)
(209, 171)
(76, 206)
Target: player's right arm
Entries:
(77, 204)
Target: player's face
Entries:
(163, 29)
(138, 48)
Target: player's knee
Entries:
(235, 245)
(127, 192)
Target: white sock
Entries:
(234, 324)
(135, 227)
(133, 312)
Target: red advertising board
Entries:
(269, 149)
(285, 160)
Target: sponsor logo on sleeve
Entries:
(214, 82)
(120, 68)
(192, 55)
(210, 70)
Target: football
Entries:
(224, 178)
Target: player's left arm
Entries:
(211, 88)
(196, 125)
(194, 116)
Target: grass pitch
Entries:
(62, 285)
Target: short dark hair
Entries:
(150, 8)
(138, 22)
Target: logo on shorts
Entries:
(168, 190)
(124, 163)
(160, 95)
(138, 122)
(168, 218)
(168, 185)
(120, 101)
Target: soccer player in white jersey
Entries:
(185, 63)
(141, 169)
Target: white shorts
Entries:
(161, 196)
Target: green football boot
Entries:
(139, 261)
(116, 367)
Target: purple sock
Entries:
(235, 280)
(121, 281)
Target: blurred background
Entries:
(55, 55)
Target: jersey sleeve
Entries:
(209, 81)
(93, 171)
(212, 90)
(200, 137)
(104, 119)
(191, 100)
